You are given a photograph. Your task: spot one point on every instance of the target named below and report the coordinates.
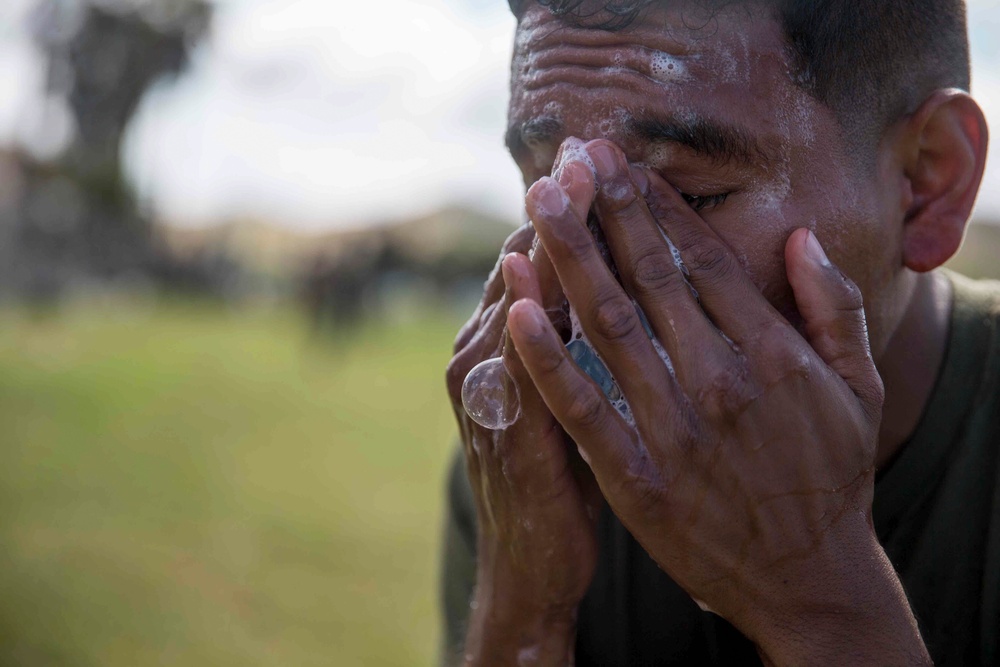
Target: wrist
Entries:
(506, 631)
(845, 605)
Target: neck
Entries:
(912, 359)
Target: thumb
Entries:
(833, 313)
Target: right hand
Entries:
(537, 502)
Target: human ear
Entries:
(944, 158)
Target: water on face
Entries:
(490, 397)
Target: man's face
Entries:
(709, 102)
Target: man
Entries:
(806, 438)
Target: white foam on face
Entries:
(623, 117)
(771, 196)
(574, 150)
(667, 68)
(553, 108)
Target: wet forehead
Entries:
(681, 63)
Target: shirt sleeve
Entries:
(458, 562)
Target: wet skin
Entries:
(734, 77)
(749, 475)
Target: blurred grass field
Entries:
(192, 484)
(187, 484)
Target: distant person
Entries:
(801, 434)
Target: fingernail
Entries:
(511, 269)
(815, 251)
(549, 197)
(640, 178)
(605, 160)
(565, 175)
(531, 321)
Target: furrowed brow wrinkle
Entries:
(719, 141)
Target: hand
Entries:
(748, 475)
(536, 501)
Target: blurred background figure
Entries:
(70, 218)
(237, 238)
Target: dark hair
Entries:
(871, 61)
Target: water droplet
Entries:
(490, 396)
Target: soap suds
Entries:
(573, 150)
(667, 68)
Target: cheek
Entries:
(867, 250)
(757, 233)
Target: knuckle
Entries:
(588, 410)
(780, 348)
(871, 391)
(575, 246)
(711, 260)
(726, 392)
(849, 296)
(792, 360)
(655, 272)
(614, 318)
(642, 486)
(519, 241)
(464, 334)
(689, 438)
(618, 195)
(490, 310)
(551, 364)
(455, 374)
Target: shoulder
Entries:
(982, 296)
(976, 327)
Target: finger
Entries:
(725, 291)
(484, 344)
(553, 299)
(650, 273)
(577, 179)
(605, 311)
(575, 173)
(519, 241)
(607, 443)
(533, 467)
(832, 308)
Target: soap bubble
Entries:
(490, 396)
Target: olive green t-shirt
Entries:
(936, 512)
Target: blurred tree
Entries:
(73, 217)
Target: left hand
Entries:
(749, 473)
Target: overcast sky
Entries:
(318, 113)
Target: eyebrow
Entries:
(718, 141)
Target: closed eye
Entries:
(700, 203)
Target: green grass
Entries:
(190, 485)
